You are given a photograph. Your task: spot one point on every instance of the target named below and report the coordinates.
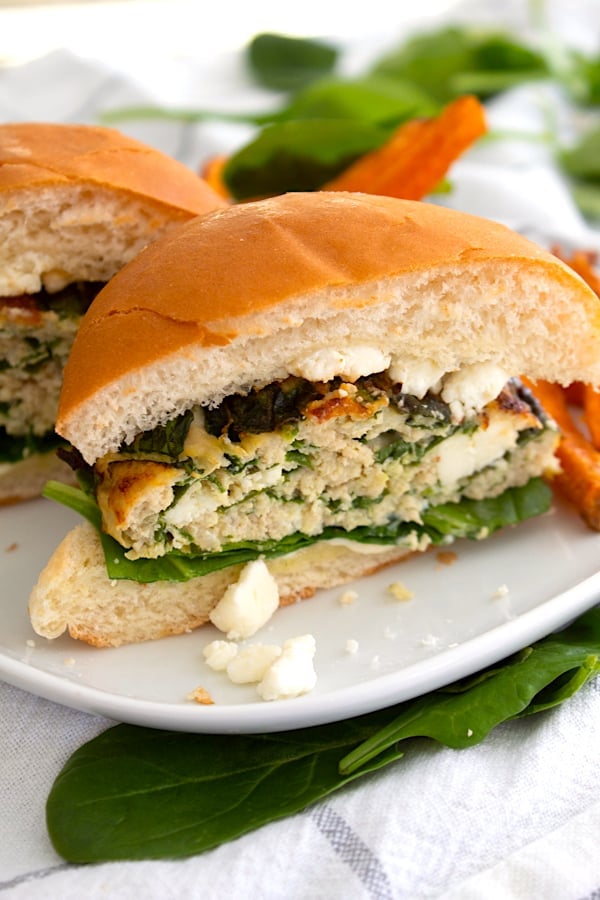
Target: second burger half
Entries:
(77, 202)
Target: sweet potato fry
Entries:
(212, 172)
(591, 413)
(579, 478)
(583, 262)
(418, 155)
(575, 393)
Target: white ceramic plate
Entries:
(457, 622)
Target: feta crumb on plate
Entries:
(293, 671)
(248, 604)
(218, 654)
(250, 664)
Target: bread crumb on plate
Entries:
(446, 557)
(399, 591)
(200, 695)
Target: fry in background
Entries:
(418, 155)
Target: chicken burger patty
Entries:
(303, 457)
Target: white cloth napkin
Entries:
(517, 817)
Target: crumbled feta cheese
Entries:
(469, 732)
(346, 598)
(472, 387)
(251, 663)
(416, 378)
(292, 673)
(501, 591)
(30, 643)
(248, 604)
(218, 654)
(69, 661)
(351, 646)
(55, 280)
(399, 591)
(350, 362)
(466, 390)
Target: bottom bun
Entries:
(25, 479)
(74, 593)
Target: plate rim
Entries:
(392, 688)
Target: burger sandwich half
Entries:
(327, 382)
(76, 204)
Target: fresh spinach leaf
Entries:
(372, 98)
(587, 197)
(581, 76)
(455, 60)
(138, 793)
(530, 682)
(284, 63)
(76, 499)
(468, 517)
(298, 155)
(173, 794)
(581, 165)
(582, 161)
(465, 519)
(187, 115)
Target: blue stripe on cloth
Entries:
(38, 875)
(359, 858)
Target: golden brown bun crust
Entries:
(193, 285)
(235, 275)
(43, 154)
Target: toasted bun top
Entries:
(237, 298)
(62, 189)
